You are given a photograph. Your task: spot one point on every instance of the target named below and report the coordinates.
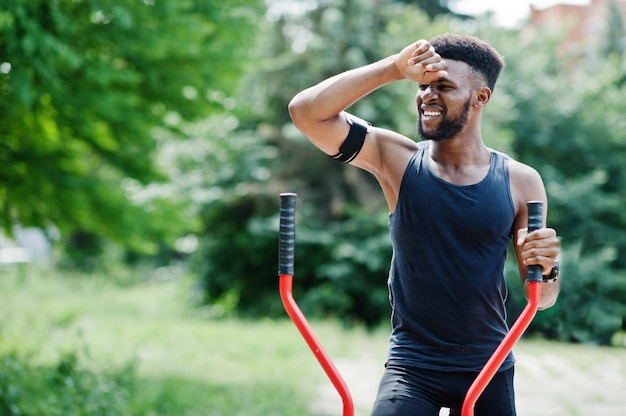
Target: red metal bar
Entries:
(298, 318)
(498, 357)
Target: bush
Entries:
(65, 388)
(341, 267)
(590, 307)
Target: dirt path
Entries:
(570, 380)
(551, 380)
(362, 375)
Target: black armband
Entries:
(351, 147)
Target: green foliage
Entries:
(433, 8)
(140, 122)
(343, 249)
(76, 342)
(341, 268)
(63, 388)
(590, 307)
(615, 31)
(82, 87)
(572, 136)
(345, 268)
(237, 259)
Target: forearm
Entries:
(327, 99)
(317, 111)
(549, 293)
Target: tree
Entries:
(343, 250)
(84, 84)
(616, 33)
(566, 121)
(433, 8)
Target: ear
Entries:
(481, 96)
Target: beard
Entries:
(447, 128)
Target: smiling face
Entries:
(444, 105)
(437, 126)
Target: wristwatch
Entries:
(554, 274)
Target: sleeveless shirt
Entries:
(446, 282)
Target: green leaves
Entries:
(142, 121)
(67, 387)
(84, 86)
(565, 119)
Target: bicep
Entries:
(329, 135)
(526, 186)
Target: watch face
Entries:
(555, 272)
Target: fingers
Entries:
(425, 55)
(429, 77)
(421, 63)
(540, 234)
(541, 247)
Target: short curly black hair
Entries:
(475, 52)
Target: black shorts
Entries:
(420, 392)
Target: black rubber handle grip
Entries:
(535, 221)
(287, 233)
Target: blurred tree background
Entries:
(87, 89)
(159, 129)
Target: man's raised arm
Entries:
(318, 111)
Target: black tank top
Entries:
(446, 281)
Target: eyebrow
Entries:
(440, 81)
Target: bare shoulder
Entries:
(384, 150)
(390, 141)
(526, 184)
(386, 155)
(523, 174)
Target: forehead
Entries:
(458, 72)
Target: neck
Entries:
(460, 160)
(466, 148)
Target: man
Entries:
(455, 207)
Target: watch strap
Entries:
(554, 274)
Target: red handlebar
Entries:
(285, 272)
(296, 315)
(286, 259)
(498, 357)
(534, 279)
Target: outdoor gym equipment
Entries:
(286, 253)
(534, 279)
(286, 257)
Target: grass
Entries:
(184, 361)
